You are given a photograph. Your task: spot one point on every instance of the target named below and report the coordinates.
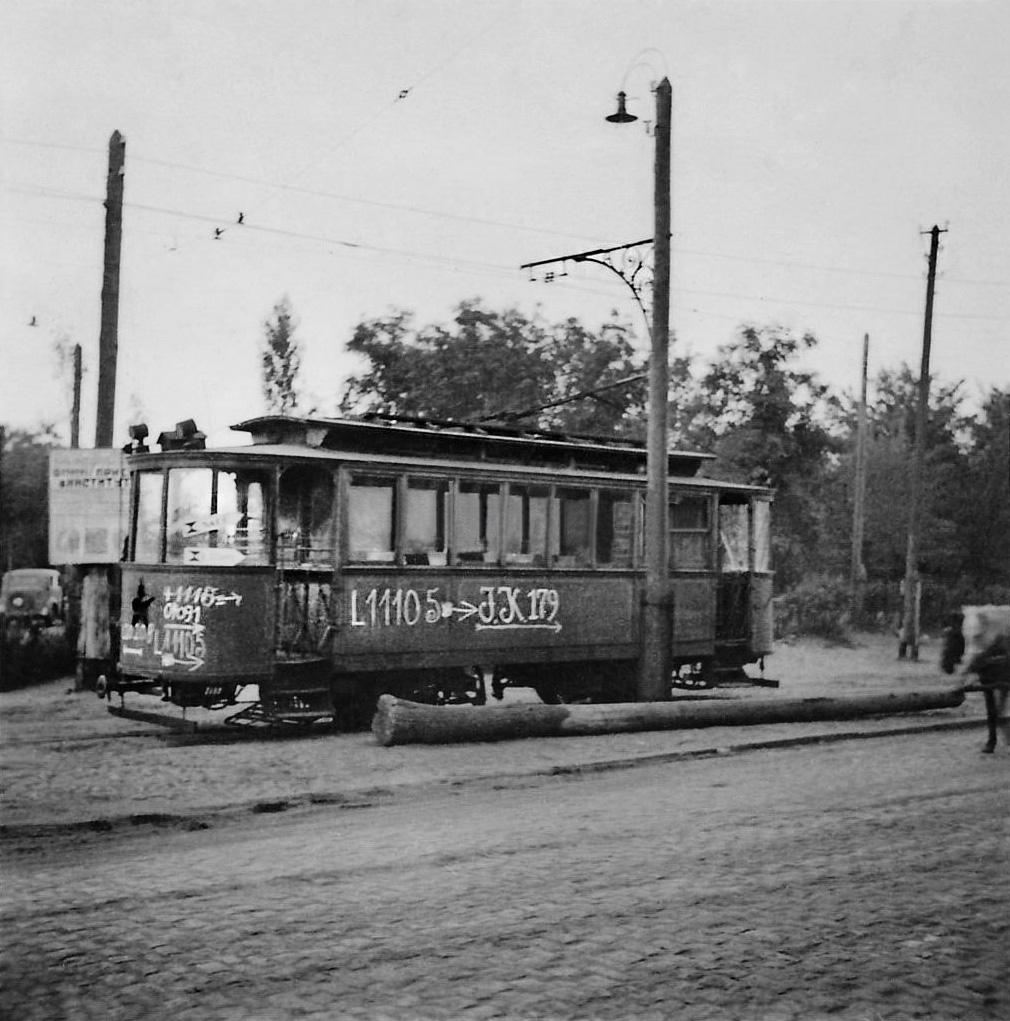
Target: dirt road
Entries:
(858, 880)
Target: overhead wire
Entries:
(460, 217)
(500, 269)
(402, 94)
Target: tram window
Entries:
(305, 517)
(526, 524)
(424, 524)
(241, 509)
(734, 543)
(615, 529)
(477, 520)
(689, 533)
(190, 521)
(370, 513)
(147, 532)
(762, 536)
(570, 543)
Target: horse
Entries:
(979, 638)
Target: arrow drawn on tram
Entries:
(518, 627)
(464, 610)
(189, 661)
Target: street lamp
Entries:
(657, 610)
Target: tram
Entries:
(329, 561)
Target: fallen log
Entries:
(398, 721)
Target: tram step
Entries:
(162, 719)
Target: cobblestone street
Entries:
(864, 879)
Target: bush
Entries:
(818, 606)
(884, 602)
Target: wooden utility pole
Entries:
(857, 579)
(108, 341)
(94, 639)
(75, 414)
(657, 612)
(653, 682)
(909, 643)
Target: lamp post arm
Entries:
(628, 279)
(628, 268)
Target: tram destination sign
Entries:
(88, 500)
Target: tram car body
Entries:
(333, 560)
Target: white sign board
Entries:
(88, 501)
(217, 556)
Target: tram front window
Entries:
(242, 507)
(208, 509)
(189, 513)
(147, 528)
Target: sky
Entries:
(388, 155)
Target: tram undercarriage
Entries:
(305, 693)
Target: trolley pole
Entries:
(909, 643)
(657, 611)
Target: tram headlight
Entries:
(185, 436)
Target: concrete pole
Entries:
(657, 611)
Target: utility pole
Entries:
(657, 615)
(94, 639)
(909, 643)
(857, 579)
(108, 340)
(75, 414)
(653, 683)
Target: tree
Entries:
(892, 422)
(982, 508)
(487, 365)
(965, 509)
(280, 359)
(24, 497)
(771, 423)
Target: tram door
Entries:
(733, 602)
(306, 559)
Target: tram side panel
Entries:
(762, 633)
(405, 621)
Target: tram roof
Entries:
(494, 442)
